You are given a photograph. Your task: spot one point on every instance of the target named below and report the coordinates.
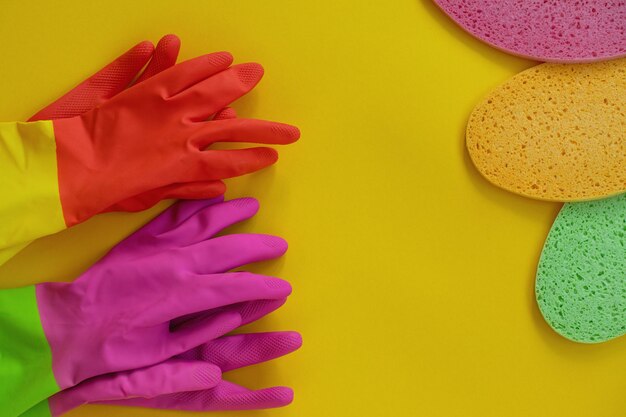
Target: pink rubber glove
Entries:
(160, 293)
(191, 380)
(116, 315)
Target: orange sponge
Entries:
(555, 132)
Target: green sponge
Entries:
(581, 277)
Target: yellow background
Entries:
(413, 276)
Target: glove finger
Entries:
(189, 73)
(221, 254)
(149, 238)
(206, 222)
(190, 293)
(238, 351)
(168, 220)
(206, 97)
(244, 130)
(225, 114)
(254, 310)
(164, 57)
(228, 396)
(168, 377)
(221, 164)
(197, 331)
(101, 86)
(249, 311)
(225, 396)
(189, 191)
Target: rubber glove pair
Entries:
(94, 91)
(145, 325)
(135, 147)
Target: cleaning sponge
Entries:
(581, 278)
(555, 132)
(545, 30)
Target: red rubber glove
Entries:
(110, 81)
(153, 135)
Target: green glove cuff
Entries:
(25, 357)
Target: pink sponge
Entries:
(546, 30)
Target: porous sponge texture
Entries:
(581, 277)
(545, 30)
(554, 132)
